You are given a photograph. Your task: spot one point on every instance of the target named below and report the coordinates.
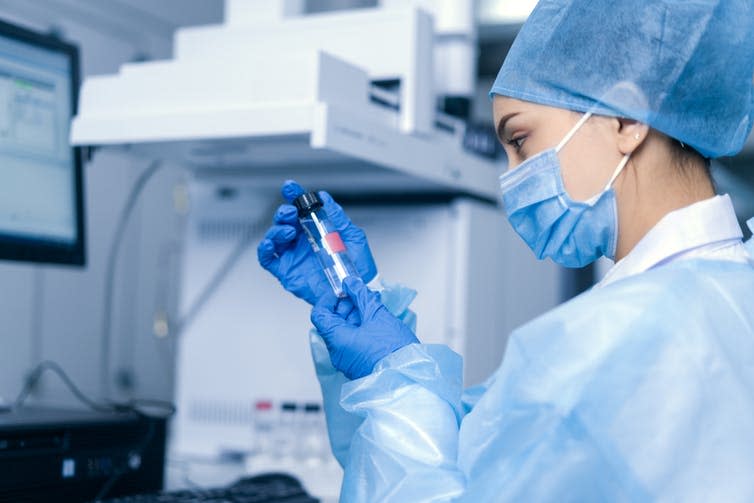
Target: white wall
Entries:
(52, 312)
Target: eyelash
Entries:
(517, 143)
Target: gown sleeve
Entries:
(342, 425)
(372, 422)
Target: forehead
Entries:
(503, 106)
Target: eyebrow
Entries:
(501, 125)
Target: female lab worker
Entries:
(643, 387)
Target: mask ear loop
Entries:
(572, 132)
(617, 171)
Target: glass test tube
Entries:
(325, 240)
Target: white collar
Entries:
(711, 222)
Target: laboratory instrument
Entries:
(51, 454)
(320, 108)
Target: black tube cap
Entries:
(306, 203)
(289, 406)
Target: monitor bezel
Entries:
(42, 251)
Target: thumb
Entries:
(366, 301)
(324, 319)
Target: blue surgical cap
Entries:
(683, 67)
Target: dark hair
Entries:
(688, 158)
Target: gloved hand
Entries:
(358, 330)
(287, 254)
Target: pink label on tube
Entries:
(335, 243)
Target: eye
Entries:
(517, 142)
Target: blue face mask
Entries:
(572, 233)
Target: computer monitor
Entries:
(41, 199)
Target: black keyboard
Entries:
(267, 488)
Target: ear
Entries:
(630, 134)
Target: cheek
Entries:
(513, 161)
(585, 172)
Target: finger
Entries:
(352, 235)
(328, 301)
(286, 214)
(367, 302)
(326, 321)
(334, 211)
(291, 190)
(267, 257)
(346, 309)
(281, 236)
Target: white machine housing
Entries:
(296, 92)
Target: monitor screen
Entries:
(41, 201)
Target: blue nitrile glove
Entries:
(287, 254)
(358, 330)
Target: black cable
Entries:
(112, 260)
(204, 295)
(138, 406)
(36, 374)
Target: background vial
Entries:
(325, 240)
(314, 445)
(288, 430)
(264, 427)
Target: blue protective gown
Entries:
(640, 390)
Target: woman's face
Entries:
(587, 161)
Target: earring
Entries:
(637, 136)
